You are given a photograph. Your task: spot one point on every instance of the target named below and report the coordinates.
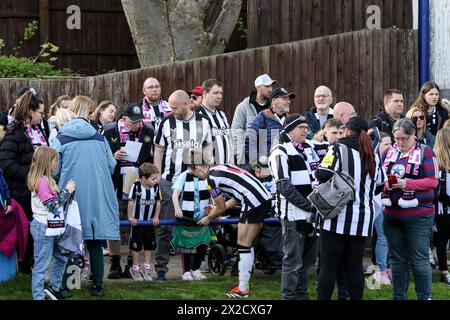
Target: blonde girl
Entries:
(45, 201)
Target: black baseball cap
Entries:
(281, 92)
(134, 112)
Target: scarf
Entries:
(36, 136)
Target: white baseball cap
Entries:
(264, 80)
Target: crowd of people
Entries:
(193, 166)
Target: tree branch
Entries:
(225, 25)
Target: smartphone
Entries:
(392, 179)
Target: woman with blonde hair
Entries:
(442, 216)
(95, 195)
(423, 135)
(105, 113)
(429, 101)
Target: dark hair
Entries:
(366, 152)
(384, 135)
(27, 102)
(420, 100)
(147, 170)
(208, 84)
(389, 93)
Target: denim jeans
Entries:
(44, 249)
(299, 254)
(408, 242)
(381, 246)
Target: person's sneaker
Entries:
(445, 278)
(115, 272)
(160, 276)
(382, 278)
(65, 292)
(126, 272)
(236, 293)
(197, 275)
(97, 291)
(145, 272)
(51, 294)
(187, 276)
(136, 274)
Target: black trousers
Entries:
(192, 261)
(442, 237)
(341, 250)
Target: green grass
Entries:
(262, 287)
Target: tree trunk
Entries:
(166, 31)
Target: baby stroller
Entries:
(224, 253)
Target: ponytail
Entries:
(367, 155)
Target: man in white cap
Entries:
(247, 110)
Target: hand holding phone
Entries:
(392, 179)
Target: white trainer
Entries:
(197, 275)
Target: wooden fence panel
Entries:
(358, 67)
(306, 19)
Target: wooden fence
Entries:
(273, 21)
(358, 66)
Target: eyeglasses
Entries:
(153, 87)
(402, 139)
(42, 113)
(321, 96)
(302, 127)
(414, 119)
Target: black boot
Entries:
(115, 271)
(126, 271)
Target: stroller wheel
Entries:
(216, 259)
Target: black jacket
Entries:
(146, 137)
(384, 122)
(313, 122)
(16, 153)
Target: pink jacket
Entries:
(13, 231)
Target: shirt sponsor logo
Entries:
(180, 144)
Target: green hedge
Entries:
(16, 67)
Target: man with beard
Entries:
(322, 110)
(246, 112)
(178, 133)
(267, 125)
(153, 106)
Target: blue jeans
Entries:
(408, 242)
(381, 246)
(44, 249)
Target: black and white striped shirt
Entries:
(144, 201)
(177, 137)
(238, 184)
(222, 147)
(296, 164)
(194, 195)
(357, 218)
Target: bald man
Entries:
(178, 133)
(343, 111)
(153, 106)
(317, 115)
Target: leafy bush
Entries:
(16, 67)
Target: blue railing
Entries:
(124, 223)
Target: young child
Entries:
(191, 240)
(144, 204)
(331, 131)
(45, 202)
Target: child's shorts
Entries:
(142, 236)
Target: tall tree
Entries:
(166, 31)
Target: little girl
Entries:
(45, 202)
(192, 240)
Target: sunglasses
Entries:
(193, 97)
(414, 119)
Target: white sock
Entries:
(246, 257)
(135, 266)
(146, 266)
